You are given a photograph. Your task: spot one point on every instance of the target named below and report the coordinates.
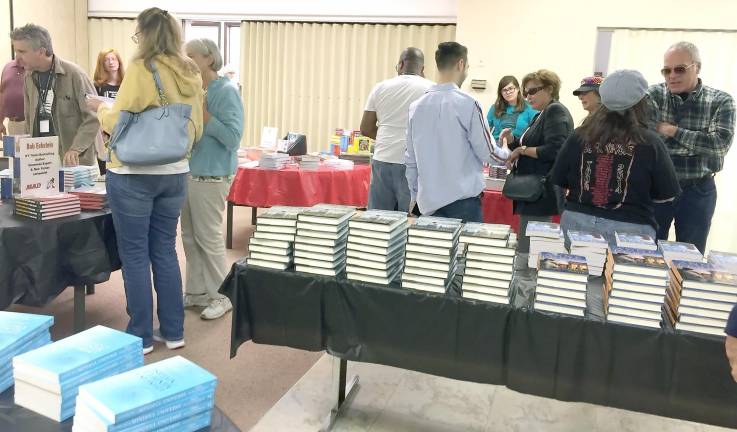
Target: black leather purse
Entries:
(524, 187)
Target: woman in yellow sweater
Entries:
(146, 200)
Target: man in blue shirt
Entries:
(448, 141)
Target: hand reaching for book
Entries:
(730, 346)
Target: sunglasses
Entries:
(678, 70)
(533, 90)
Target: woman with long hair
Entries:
(613, 166)
(212, 167)
(109, 73)
(146, 201)
(510, 111)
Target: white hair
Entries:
(688, 47)
(206, 47)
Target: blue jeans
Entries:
(692, 211)
(145, 211)
(468, 210)
(389, 189)
(576, 221)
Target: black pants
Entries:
(692, 212)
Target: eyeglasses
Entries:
(678, 70)
(134, 38)
(533, 90)
(509, 89)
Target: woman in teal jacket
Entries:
(510, 110)
(212, 166)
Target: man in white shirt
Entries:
(385, 120)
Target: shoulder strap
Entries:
(159, 87)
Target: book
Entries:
(316, 241)
(17, 328)
(436, 227)
(492, 283)
(633, 295)
(559, 300)
(502, 292)
(267, 264)
(145, 389)
(700, 319)
(391, 263)
(492, 235)
(636, 304)
(561, 292)
(336, 230)
(269, 250)
(420, 286)
(358, 247)
(430, 242)
(485, 250)
(473, 295)
(371, 259)
(371, 279)
(710, 305)
(561, 309)
(389, 274)
(303, 234)
(640, 287)
(426, 280)
(498, 259)
(640, 262)
(319, 271)
(723, 260)
(318, 263)
(272, 236)
(258, 256)
(499, 275)
(428, 250)
(563, 266)
(637, 279)
(704, 276)
(378, 239)
(419, 271)
(327, 251)
(428, 257)
(280, 216)
(636, 321)
(635, 241)
(696, 328)
(269, 243)
(560, 283)
(383, 221)
(324, 215)
(277, 229)
(319, 256)
(488, 265)
(543, 229)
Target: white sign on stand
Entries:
(39, 165)
(268, 137)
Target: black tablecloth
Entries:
(660, 372)
(38, 260)
(18, 419)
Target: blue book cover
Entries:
(543, 229)
(194, 423)
(123, 396)
(723, 260)
(44, 338)
(65, 358)
(678, 247)
(630, 240)
(586, 237)
(17, 328)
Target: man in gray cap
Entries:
(697, 123)
(614, 168)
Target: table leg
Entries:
(229, 226)
(345, 392)
(79, 306)
(253, 215)
(90, 289)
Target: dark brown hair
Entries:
(547, 78)
(615, 127)
(500, 106)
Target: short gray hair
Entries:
(36, 35)
(688, 47)
(207, 47)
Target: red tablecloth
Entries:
(497, 208)
(257, 187)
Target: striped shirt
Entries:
(448, 141)
(705, 120)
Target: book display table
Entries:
(496, 208)
(39, 260)
(662, 372)
(14, 418)
(258, 187)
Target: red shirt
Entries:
(11, 91)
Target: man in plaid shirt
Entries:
(697, 123)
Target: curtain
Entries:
(312, 78)
(643, 50)
(107, 33)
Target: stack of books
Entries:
(272, 244)
(77, 177)
(322, 236)
(639, 284)
(593, 247)
(635, 241)
(339, 164)
(679, 251)
(498, 171)
(48, 207)
(273, 160)
(47, 379)
(544, 237)
(723, 260)
(20, 333)
(376, 240)
(489, 262)
(561, 284)
(309, 162)
(171, 395)
(700, 297)
(430, 263)
(91, 197)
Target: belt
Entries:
(691, 182)
(16, 119)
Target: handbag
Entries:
(524, 187)
(156, 136)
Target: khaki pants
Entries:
(202, 236)
(16, 128)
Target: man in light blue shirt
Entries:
(448, 141)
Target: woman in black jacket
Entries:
(535, 151)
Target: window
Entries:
(226, 34)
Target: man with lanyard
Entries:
(54, 96)
(697, 123)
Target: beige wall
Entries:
(66, 20)
(517, 38)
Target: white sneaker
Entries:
(216, 309)
(172, 345)
(196, 300)
(148, 349)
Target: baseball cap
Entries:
(623, 89)
(588, 84)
